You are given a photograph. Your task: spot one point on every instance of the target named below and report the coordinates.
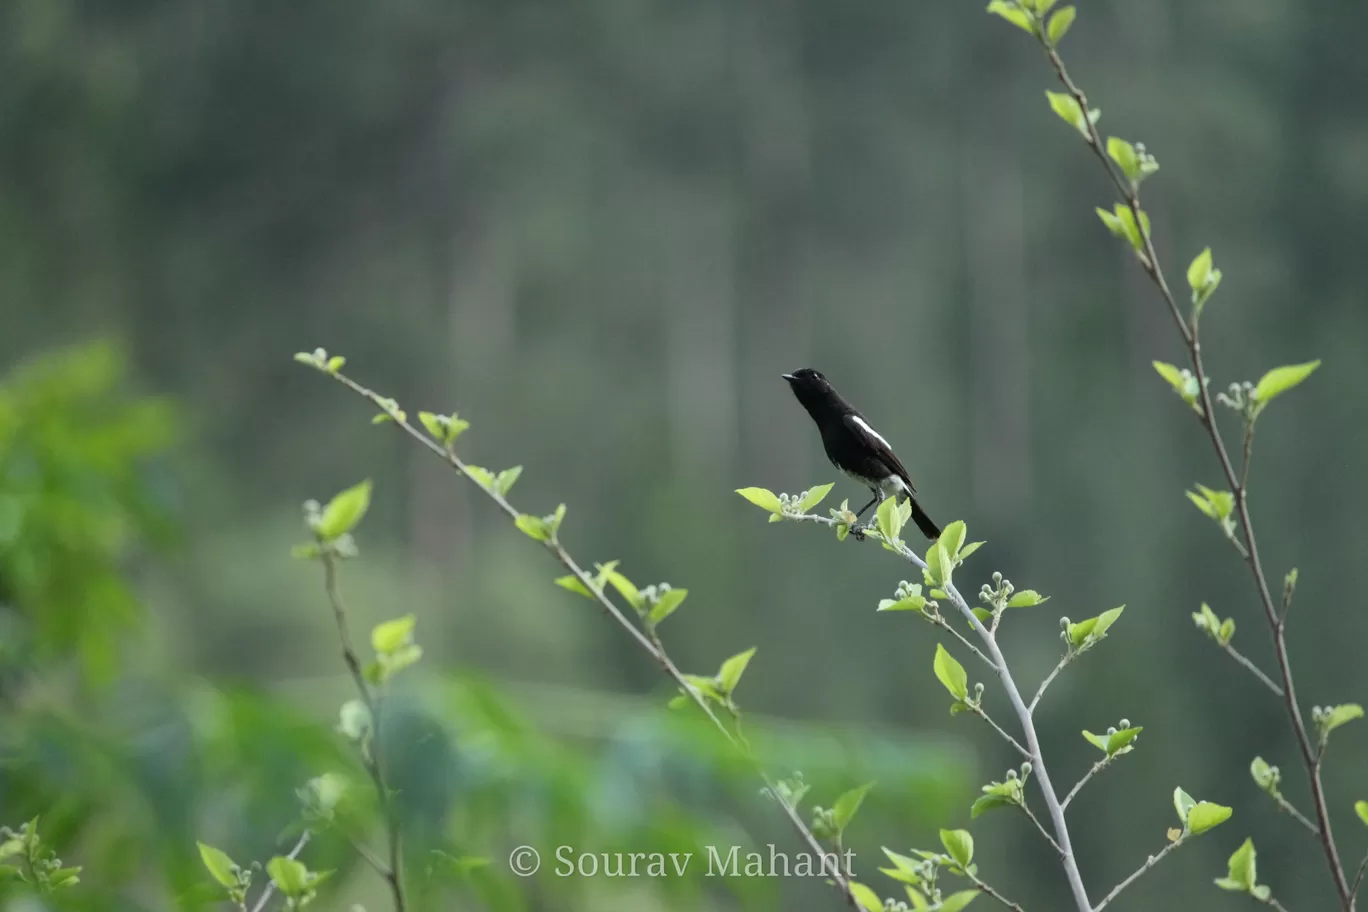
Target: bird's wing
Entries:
(861, 429)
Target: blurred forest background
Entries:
(600, 230)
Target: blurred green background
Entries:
(600, 230)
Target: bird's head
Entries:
(809, 385)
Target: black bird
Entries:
(854, 447)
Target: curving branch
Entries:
(648, 643)
(1248, 548)
(1149, 863)
(267, 893)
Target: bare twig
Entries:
(1039, 826)
(943, 624)
(1358, 879)
(1149, 863)
(642, 640)
(1291, 809)
(1049, 678)
(989, 891)
(978, 711)
(1252, 668)
(266, 894)
(371, 758)
(1249, 548)
(1097, 767)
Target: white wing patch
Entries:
(869, 430)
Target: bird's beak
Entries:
(789, 377)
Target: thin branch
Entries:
(989, 891)
(1301, 818)
(1149, 863)
(369, 857)
(1273, 901)
(1149, 261)
(942, 623)
(1358, 879)
(1252, 668)
(1039, 826)
(978, 711)
(371, 758)
(1061, 828)
(642, 640)
(1049, 678)
(266, 894)
(1097, 767)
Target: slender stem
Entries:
(989, 891)
(1301, 818)
(1149, 261)
(1149, 863)
(651, 645)
(369, 857)
(371, 755)
(1252, 668)
(1039, 826)
(1097, 767)
(1272, 901)
(942, 623)
(266, 894)
(1061, 828)
(1049, 678)
(978, 711)
(1358, 878)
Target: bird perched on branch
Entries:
(854, 447)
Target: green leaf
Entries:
(481, 476)
(1335, 716)
(889, 518)
(1015, 15)
(344, 512)
(1086, 633)
(1361, 808)
(1262, 774)
(1226, 631)
(1206, 816)
(1060, 22)
(763, 498)
(1026, 598)
(911, 603)
(336, 363)
(222, 868)
(627, 589)
(572, 583)
(309, 358)
(951, 673)
(732, 669)
(969, 549)
(1243, 867)
(1121, 739)
(505, 480)
(814, 497)
(843, 811)
(290, 877)
(665, 606)
(867, 898)
(1199, 271)
(1170, 373)
(1097, 741)
(1281, 379)
(957, 901)
(391, 636)
(960, 846)
(989, 803)
(1123, 153)
(533, 526)
(1183, 803)
(434, 424)
(1068, 109)
(952, 537)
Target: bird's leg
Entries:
(858, 528)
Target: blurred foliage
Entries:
(600, 230)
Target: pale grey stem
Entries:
(978, 710)
(1253, 669)
(1291, 809)
(1098, 767)
(1149, 863)
(1049, 678)
(1040, 826)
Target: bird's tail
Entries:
(929, 528)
